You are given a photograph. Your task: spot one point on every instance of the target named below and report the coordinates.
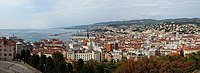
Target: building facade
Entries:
(85, 56)
(111, 45)
(7, 49)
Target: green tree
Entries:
(49, 66)
(34, 60)
(41, 65)
(196, 58)
(59, 63)
(27, 55)
(60, 67)
(181, 52)
(43, 59)
(30, 61)
(90, 66)
(198, 53)
(80, 65)
(18, 56)
(100, 68)
(57, 57)
(23, 54)
(69, 68)
(193, 56)
(105, 60)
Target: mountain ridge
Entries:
(138, 22)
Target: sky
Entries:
(41, 14)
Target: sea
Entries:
(34, 35)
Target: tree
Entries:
(34, 60)
(86, 69)
(23, 54)
(80, 65)
(91, 66)
(30, 61)
(69, 68)
(166, 67)
(43, 59)
(181, 52)
(193, 56)
(110, 67)
(18, 56)
(60, 67)
(198, 53)
(196, 58)
(41, 65)
(158, 51)
(162, 64)
(27, 55)
(100, 68)
(105, 60)
(49, 65)
(57, 57)
(59, 63)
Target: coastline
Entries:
(33, 35)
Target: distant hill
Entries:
(141, 21)
(152, 21)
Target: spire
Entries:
(88, 36)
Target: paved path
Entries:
(14, 67)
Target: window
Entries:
(10, 54)
(70, 53)
(0, 54)
(4, 58)
(5, 54)
(5, 50)
(0, 50)
(10, 50)
(0, 58)
(113, 46)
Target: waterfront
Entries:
(33, 35)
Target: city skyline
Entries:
(31, 14)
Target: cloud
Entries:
(57, 13)
(11, 3)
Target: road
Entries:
(13, 67)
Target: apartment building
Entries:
(7, 49)
(86, 56)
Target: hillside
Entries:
(139, 22)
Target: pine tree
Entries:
(18, 56)
(80, 65)
(49, 66)
(27, 55)
(100, 68)
(181, 52)
(57, 57)
(23, 54)
(69, 68)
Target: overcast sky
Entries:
(37, 14)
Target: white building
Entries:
(116, 55)
(86, 56)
